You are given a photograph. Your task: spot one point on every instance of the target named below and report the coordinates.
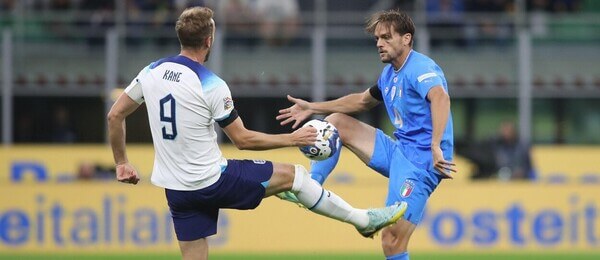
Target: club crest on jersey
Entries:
(407, 188)
(227, 103)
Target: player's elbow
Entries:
(114, 117)
(241, 144)
(367, 102)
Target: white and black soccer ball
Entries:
(327, 144)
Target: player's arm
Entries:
(349, 104)
(245, 139)
(122, 108)
(440, 109)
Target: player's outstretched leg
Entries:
(320, 170)
(326, 203)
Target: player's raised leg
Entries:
(355, 135)
(320, 170)
(326, 203)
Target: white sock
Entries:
(325, 202)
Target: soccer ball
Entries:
(327, 144)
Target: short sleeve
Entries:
(134, 90)
(426, 78)
(220, 102)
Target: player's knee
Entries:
(336, 119)
(343, 123)
(285, 173)
(301, 175)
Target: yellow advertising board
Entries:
(104, 216)
(114, 217)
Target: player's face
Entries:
(390, 44)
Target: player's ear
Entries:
(208, 41)
(407, 38)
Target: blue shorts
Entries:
(241, 186)
(411, 174)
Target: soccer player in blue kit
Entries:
(184, 100)
(415, 94)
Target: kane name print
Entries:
(172, 75)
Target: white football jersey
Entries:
(183, 99)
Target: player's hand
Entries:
(304, 136)
(127, 174)
(444, 167)
(299, 112)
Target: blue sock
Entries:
(319, 170)
(401, 256)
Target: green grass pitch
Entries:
(254, 256)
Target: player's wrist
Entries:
(291, 140)
(119, 163)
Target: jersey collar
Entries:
(404, 63)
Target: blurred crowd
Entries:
(276, 22)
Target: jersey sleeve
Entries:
(134, 90)
(220, 102)
(425, 78)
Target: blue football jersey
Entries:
(404, 93)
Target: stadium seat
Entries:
(459, 81)
(61, 80)
(293, 80)
(579, 81)
(359, 80)
(21, 80)
(98, 80)
(235, 81)
(479, 81)
(338, 81)
(252, 80)
(538, 82)
(41, 80)
(559, 82)
(82, 80)
(501, 81)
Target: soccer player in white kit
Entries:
(183, 100)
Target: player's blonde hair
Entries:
(396, 19)
(194, 25)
